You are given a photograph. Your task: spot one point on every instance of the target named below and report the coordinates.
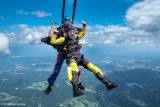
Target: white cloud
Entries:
(4, 44)
(145, 15)
(114, 34)
(22, 26)
(28, 34)
(110, 40)
(90, 45)
(97, 34)
(35, 13)
(116, 29)
(143, 20)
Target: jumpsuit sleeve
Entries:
(55, 41)
(82, 32)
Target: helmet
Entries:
(66, 21)
(66, 18)
(71, 27)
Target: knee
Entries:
(56, 71)
(91, 67)
(94, 69)
(73, 66)
(72, 70)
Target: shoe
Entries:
(77, 93)
(111, 86)
(76, 90)
(47, 90)
(80, 85)
(103, 79)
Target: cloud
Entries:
(145, 15)
(114, 34)
(22, 26)
(143, 20)
(4, 44)
(98, 34)
(30, 35)
(35, 13)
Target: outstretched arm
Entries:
(83, 31)
(55, 41)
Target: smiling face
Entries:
(72, 34)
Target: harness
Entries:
(71, 48)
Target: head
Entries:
(66, 21)
(72, 32)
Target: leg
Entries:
(57, 69)
(80, 85)
(73, 77)
(99, 74)
(55, 73)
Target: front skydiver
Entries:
(61, 31)
(75, 59)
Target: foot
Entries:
(80, 85)
(77, 93)
(111, 86)
(47, 90)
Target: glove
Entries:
(84, 23)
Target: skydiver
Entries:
(75, 59)
(61, 32)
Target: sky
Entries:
(109, 22)
(31, 12)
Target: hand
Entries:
(53, 23)
(55, 30)
(83, 23)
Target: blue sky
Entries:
(109, 22)
(98, 11)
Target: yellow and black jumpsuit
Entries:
(73, 64)
(75, 58)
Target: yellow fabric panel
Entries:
(53, 37)
(69, 70)
(72, 68)
(94, 69)
(82, 33)
(55, 41)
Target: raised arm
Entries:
(51, 29)
(83, 31)
(53, 34)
